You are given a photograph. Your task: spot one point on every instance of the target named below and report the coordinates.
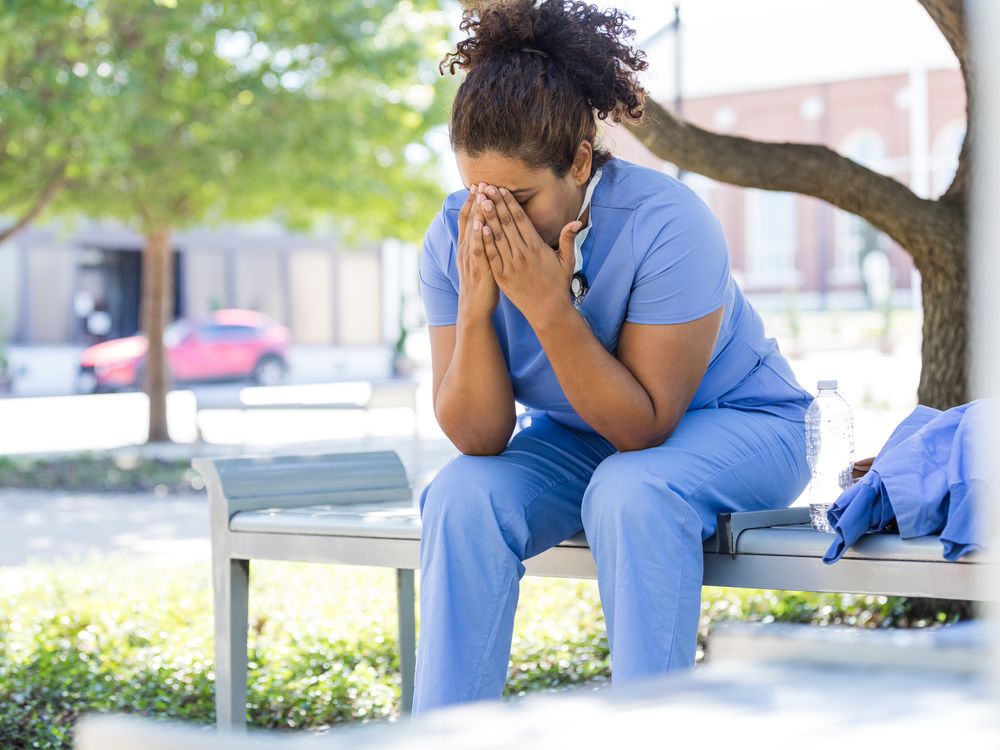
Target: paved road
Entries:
(39, 525)
(50, 370)
(47, 526)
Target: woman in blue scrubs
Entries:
(598, 294)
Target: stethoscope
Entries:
(578, 285)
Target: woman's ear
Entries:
(582, 162)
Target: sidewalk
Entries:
(59, 424)
(51, 526)
(881, 389)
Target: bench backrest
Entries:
(393, 393)
(242, 483)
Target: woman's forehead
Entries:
(497, 169)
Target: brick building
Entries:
(785, 244)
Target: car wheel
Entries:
(86, 381)
(269, 370)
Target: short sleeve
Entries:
(682, 262)
(439, 295)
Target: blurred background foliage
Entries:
(167, 113)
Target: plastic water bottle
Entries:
(829, 450)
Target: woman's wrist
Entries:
(550, 314)
(470, 317)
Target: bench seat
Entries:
(788, 556)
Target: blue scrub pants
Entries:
(645, 513)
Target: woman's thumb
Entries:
(567, 252)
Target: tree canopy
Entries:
(166, 113)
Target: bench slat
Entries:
(804, 541)
(571, 560)
(254, 482)
(939, 580)
(396, 522)
(371, 520)
(403, 522)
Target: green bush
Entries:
(120, 635)
(101, 472)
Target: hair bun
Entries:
(581, 39)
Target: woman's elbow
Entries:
(475, 445)
(475, 449)
(472, 443)
(637, 443)
(640, 440)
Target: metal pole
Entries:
(983, 26)
(678, 73)
(825, 209)
(920, 183)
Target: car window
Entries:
(227, 333)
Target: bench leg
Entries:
(232, 580)
(407, 635)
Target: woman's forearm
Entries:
(475, 401)
(602, 390)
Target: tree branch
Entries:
(44, 198)
(809, 169)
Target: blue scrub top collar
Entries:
(582, 234)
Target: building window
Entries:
(866, 147)
(853, 236)
(771, 239)
(944, 156)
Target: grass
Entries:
(107, 635)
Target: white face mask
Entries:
(582, 234)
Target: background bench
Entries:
(360, 395)
(358, 509)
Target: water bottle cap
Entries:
(827, 385)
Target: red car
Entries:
(228, 345)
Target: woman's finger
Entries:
(466, 259)
(463, 215)
(476, 245)
(475, 212)
(520, 225)
(497, 231)
(493, 254)
(507, 224)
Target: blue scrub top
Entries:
(655, 254)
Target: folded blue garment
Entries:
(931, 476)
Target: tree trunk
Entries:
(157, 309)
(932, 232)
(944, 352)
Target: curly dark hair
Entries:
(538, 77)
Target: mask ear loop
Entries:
(579, 285)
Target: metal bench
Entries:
(360, 395)
(358, 509)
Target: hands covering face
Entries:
(477, 289)
(497, 240)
